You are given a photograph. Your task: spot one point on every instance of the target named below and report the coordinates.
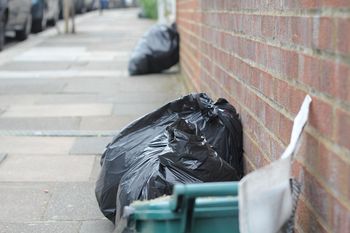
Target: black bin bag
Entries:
(156, 51)
(189, 140)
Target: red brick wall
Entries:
(264, 57)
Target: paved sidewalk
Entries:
(62, 98)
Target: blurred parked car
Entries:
(15, 15)
(44, 12)
(116, 3)
(104, 4)
(90, 5)
(79, 6)
(122, 3)
(60, 5)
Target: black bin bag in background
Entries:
(156, 51)
(189, 140)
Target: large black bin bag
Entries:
(189, 140)
(156, 51)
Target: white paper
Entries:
(265, 197)
(299, 123)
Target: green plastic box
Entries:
(195, 208)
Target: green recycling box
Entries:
(193, 208)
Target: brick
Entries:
(318, 73)
(327, 77)
(297, 97)
(343, 37)
(276, 149)
(321, 116)
(326, 34)
(297, 171)
(259, 106)
(309, 150)
(307, 220)
(317, 196)
(272, 119)
(275, 59)
(326, 165)
(343, 128)
(283, 30)
(333, 170)
(340, 221)
(285, 129)
(282, 56)
(254, 154)
(309, 4)
(262, 57)
(278, 60)
(267, 26)
(282, 93)
(336, 3)
(342, 82)
(260, 135)
(334, 173)
(266, 83)
(248, 166)
(301, 30)
(291, 60)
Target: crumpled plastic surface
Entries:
(156, 51)
(189, 140)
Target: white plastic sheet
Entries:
(265, 197)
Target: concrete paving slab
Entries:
(2, 157)
(22, 86)
(68, 41)
(117, 45)
(18, 99)
(102, 56)
(44, 123)
(93, 98)
(78, 98)
(55, 74)
(46, 168)
(102, 226)
(34, 66)
(51, 54)
(126, 97)
(36, 145)
(59, 110)
(135, 109)
(119, 64)
(95, 43)
(160, 98)
(23, 202)
(41, 227)
(161, 79)
(105, 123)
(149, 85)
(90, 145)
(60, 54)
(74, 201)
(3, 109)
(91, 85)
(95, 169)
